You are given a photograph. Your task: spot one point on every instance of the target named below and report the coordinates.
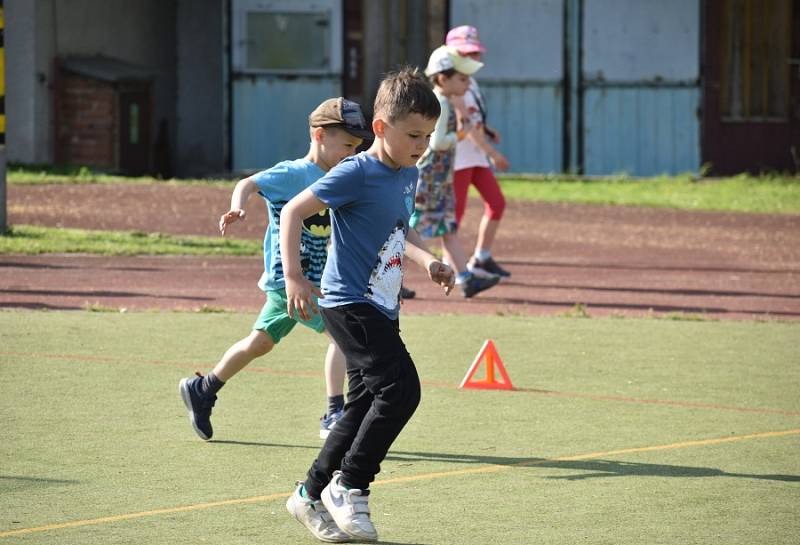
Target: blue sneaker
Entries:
(327, 422)
(199, 405)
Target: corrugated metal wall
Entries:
(270, 118)
(270, 107)
(642, 131)
(639, 89)
(522, 81)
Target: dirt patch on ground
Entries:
(608, 260)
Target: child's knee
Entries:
(258, 344)
(496, 207)
(409, 395)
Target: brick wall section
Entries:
(87, 123)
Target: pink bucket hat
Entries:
(465, 39)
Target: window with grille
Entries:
(288, 41)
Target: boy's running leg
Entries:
(384, 393)
(337, 443)
(313, 515)
(334, 387)
(200, 393)
(494, 207)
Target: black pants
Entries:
(383, 393)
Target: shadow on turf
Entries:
(9, 482)
(587, 469)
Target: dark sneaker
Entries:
(198, 404)
(487, 265)
(327, 422)
(475, 284)
(406, 293)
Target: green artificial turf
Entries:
(621, 431)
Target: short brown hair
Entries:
(406, 92)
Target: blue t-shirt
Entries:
(370, 205)
(278, 185)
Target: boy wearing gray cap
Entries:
(337, 128)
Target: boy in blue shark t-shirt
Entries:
(371, 197)
(337, 128)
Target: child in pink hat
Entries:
(476, 158)
(434, 207)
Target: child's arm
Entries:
(477, 135)
(441, 139)
(417, 251)
(244, 188)
(299, 290)
(499, 160)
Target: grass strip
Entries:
(769, 193)
(766, 194)
(33, 240)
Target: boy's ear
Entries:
(378, 126)
(317, 134)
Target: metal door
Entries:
(134, 131)
(286, 58)
(751, 95)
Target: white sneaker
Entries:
(313, 515)
(349, 508)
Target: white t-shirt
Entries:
(468, 154)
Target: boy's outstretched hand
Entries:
(442, 275)
(300, 298)
(231, 216)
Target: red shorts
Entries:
(484, 181)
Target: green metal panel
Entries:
(270, 117)
(641, 130)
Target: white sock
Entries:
(482, 255)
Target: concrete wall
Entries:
(140, 32)
(28, 69)
(202, 84)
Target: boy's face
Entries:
(337, 144)
(455, 85)
(405, 139)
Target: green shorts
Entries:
(276, 321)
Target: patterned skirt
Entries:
(435, 205)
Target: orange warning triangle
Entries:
(489, 353)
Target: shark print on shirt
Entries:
(387, 275)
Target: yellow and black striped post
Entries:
(3, 224)
(2, 77)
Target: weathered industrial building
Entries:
(201, 87)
